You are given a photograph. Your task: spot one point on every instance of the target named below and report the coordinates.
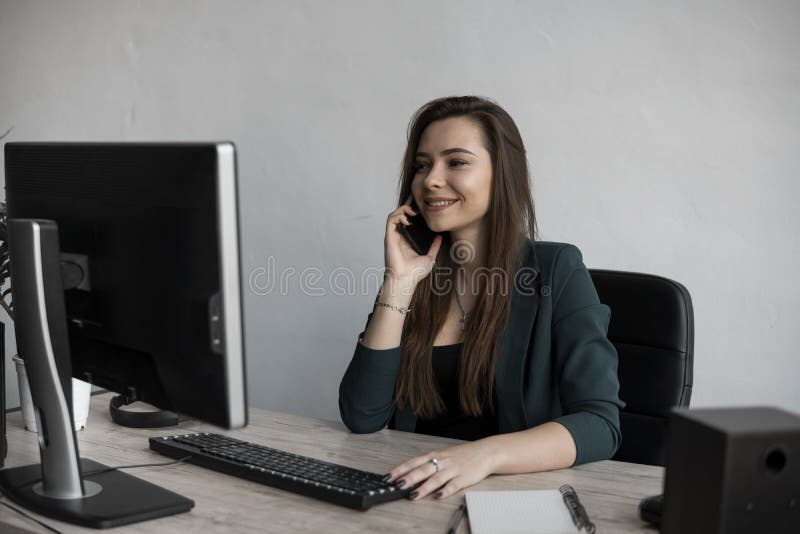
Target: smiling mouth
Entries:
(439, 203)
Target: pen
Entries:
(456, 519)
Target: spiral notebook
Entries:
(517, 512)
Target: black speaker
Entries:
(732, 470)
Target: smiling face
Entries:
(453, 178)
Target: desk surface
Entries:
(610, 491)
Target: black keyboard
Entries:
(299, 474)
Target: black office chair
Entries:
(652, 327)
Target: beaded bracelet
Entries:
(393, 307)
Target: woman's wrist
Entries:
(495, 454)
(396, 291)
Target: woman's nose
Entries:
(435, 177)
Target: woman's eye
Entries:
(420, 166)
(457, 162)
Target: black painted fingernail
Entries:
(386, 478)
(400, 483)
(413, 494)
(438, 495)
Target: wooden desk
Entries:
(610, 491)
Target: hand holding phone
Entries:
(418, 234)
(410, 246)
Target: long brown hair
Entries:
(511, 218)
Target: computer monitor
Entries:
(124, 273)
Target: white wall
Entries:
(664, 137)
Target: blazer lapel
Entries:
(515, 341)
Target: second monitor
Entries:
(125, 273)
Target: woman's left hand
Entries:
(459, 467)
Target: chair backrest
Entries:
(652, 327)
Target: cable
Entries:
(107, 469)
(84, 475)
(162, 464)
(7, 308)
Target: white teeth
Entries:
(440, 203)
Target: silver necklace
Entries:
(464, 314)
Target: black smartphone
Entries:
(417, 234)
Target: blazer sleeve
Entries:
(366, 391)
(586, 361)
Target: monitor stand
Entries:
(63, 486)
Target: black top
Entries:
(453, 422)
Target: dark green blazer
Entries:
(555, 361)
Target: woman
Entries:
(504, 344)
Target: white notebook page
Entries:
(518, 512)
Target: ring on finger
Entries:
(435, 463)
